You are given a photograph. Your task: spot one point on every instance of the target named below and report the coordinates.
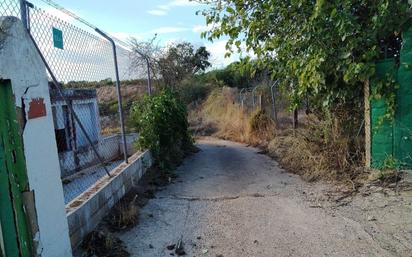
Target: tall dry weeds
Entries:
(320, 150)
(221, 111)
(324, 147)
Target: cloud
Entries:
(157, 12)
(164, 30)
(183, 3)
(199, 28)
(59, 14)
(203, 28)
(178, 3)
(218, 51)
(163, 9)
(125, 36)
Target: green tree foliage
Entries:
(237, 74)
(327, 48)
(161, 122)
(182, 60)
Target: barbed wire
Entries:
(120, 42)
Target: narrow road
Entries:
(231, 201)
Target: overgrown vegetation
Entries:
(327, 49)
(318, 149)
(324, 52)
(103, 244)
(161, 122)
(221, 114)
(262, 127)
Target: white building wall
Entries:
(20, 62)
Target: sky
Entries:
(171, 20)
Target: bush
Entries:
(161, 122)
(262, 127)
(192, 90)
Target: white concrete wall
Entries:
(109, 148)
(20, 62)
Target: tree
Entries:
(182, 60)
(144, 57)
(327, 48)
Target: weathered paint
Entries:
(21, 64)
(37, 108)
(13, 179)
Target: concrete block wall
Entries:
(86, 211)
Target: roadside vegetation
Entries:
(162, 124)
(322, 73)
(323, 54)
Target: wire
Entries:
(123, 44)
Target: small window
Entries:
(61, 140)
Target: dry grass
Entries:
(262, 128)
(129, 92)
(102, 243)
(222, 115)
(321, 150)
(124, 215)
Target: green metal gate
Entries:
(13, 180)
(394, 139)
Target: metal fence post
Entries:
(119, 93)
(149, 79)
(253, 96)
(23, 13)
(241, 98)
(273, 92)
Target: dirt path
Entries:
(231, 201)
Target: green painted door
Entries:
(13, 180)
(382, 138)
(403, 127)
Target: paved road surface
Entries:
(231, 201)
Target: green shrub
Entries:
(161, 122)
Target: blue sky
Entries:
(172, 20)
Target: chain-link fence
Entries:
(270, 98)
(84, 96)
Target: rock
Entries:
(180, 252)
(171, 247)
(179, 248)
(371, 218)
(205, 251)
(199, 237)
(151, 246)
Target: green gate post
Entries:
(13, 179)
